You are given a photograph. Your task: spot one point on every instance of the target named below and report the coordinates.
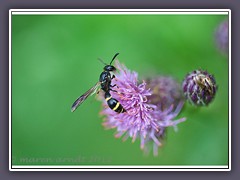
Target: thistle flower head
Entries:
(199, 87)
(221, 36)
(144, 118)
(166, 91)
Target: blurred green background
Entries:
(54, 60)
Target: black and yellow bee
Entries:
(104, 82)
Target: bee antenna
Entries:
(102, 61)
(114, 58)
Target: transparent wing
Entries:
(83, 97)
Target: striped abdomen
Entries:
(113, 103)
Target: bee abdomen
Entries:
(114, 104)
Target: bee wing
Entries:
(83, 97)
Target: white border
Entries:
(230, 89)
(10, 89)
(121, 12)
(118, 168)
(118, 13)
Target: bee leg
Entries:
(113, 90)
(113, 76)
(98, 91)
(114, 85)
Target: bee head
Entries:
(109, 68)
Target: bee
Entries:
(104, 83)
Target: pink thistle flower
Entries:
(143, 119)
(221, 36)
(166, 91)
